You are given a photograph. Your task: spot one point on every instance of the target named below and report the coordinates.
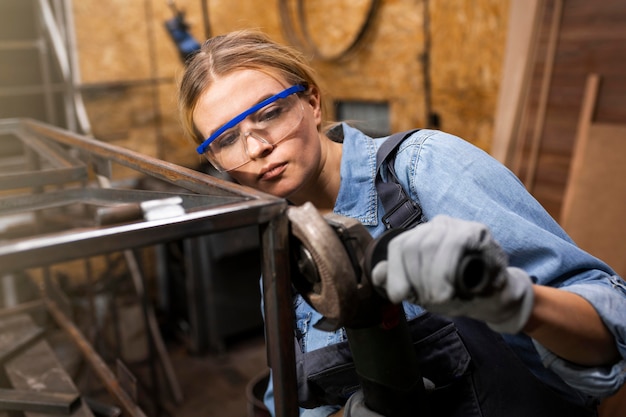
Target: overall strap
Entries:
(400, 210)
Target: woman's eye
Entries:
(270, 113)
(226, 139)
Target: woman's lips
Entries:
(272, 172)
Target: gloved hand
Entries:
(355, 407)
(422, 265)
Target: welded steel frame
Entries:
(214, 206)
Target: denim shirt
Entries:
(448, 175)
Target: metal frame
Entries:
(216, 206)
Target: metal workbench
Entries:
(57, 168)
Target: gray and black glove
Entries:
(422, 267)
(355, 407)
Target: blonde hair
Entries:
(223, 54)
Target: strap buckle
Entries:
(404, 215)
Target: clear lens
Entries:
(270, 124)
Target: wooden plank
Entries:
(535, 143)
(595, 196)
(519, 50)
(595, 200)
(582, 137)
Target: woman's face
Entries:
(281, 170)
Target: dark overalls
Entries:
(475, 372)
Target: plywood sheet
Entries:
(595, 197)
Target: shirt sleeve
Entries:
(448, 175)
(597, 382)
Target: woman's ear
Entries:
(314, 100)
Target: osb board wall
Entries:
(590, 38)
(467, 40)
(468, 48)
(129, 65)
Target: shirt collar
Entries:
(357, 196)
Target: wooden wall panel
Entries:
(591, 38)
(597, 184)
(128, 61)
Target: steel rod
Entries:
(97, 363)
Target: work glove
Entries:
(355, 407)
(422, 267)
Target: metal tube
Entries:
(279, 316)
(97, 363)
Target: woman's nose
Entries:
(257, 147)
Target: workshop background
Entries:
(533, 82)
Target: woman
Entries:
(555, 339)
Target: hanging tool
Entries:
(178, 29)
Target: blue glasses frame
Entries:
(237, 119)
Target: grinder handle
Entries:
(472, 276)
